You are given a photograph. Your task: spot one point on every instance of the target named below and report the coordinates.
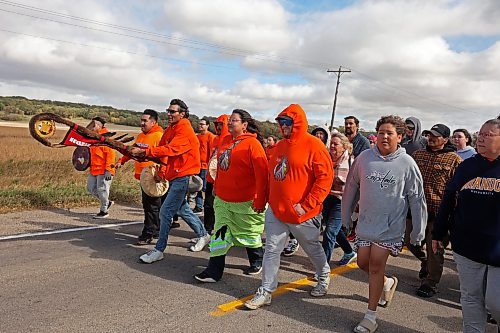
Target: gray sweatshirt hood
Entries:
(417, 141)
(325, 130)
(400, 151)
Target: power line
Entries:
(406, 91)
(209, 47)
(120, 51)
(212, 47)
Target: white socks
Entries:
(371, 316)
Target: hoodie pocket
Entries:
(373, 226)
(285, 211)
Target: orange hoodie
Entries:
(144, 141)
(206, 146)
(224, 119)
(179, 150)
(270, 151)
(242, 170)
(102, 158)
(301, 171)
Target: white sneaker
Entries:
(151, 256)
(200, 244)
(260, 299)
(194, 240)
(321, 288)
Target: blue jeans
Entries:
(332, 218)
(175, 202)
(199, 195)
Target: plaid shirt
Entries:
(437, 168)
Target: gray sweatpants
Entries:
(99, 188)
(479, 291)
(306, 233)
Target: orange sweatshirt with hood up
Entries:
(179, 150)
(242, 170)
(224, 119)
(206, 144)
(102, 158)
(144, 141)
(300, 171)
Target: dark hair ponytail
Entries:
(252, 126)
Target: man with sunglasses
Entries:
(180, 153)
(413, 139)
(300, 178)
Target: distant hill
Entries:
(18, 108)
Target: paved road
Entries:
(91, 281)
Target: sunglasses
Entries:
(411, 128)
(170, 111)
(285, 122)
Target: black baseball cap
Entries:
(440, 130)
(100, 119)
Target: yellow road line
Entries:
(224, 309)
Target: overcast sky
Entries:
(436, 60)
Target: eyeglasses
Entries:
(234, 120)
(170, 111)
(285, 122)
(486, 135)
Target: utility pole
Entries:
(338, 73)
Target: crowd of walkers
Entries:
(370, 196)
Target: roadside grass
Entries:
(33, 176)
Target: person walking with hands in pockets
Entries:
(300, 178)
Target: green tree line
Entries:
(18, 108)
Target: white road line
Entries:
(62, 231)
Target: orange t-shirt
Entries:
(206, 146)
(242, 170)
(144, 141)
(179, 150)
(300, 171)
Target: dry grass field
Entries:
(35, 176)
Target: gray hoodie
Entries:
(326, 132)
(417, 141)
(385, 188)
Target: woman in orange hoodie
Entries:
(240, 188)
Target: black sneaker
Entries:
(197, 210)
(426, 291)
(292, 247)
(175, 225)
(204, 277)
(253, 270)
(101, 215)
(144, 241)
(110, 203)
